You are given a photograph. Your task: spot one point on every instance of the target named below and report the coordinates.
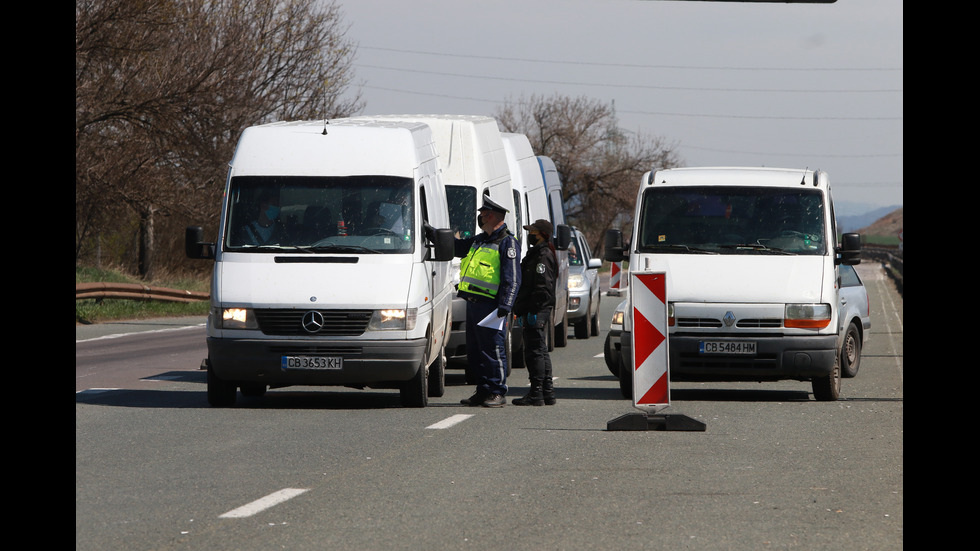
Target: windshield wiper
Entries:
(684, 248)
(756, 247)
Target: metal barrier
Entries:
(135, 291)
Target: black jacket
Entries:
(538, 272)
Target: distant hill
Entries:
(887, 225)
(856, 222)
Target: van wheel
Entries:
(414, 392)
(827, 389)
(437, 375)
(610, 356)
(850, 353)
(220, 393)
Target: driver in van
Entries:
(266, 227)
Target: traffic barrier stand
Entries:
(615, 278)
(651, 373)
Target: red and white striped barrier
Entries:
(615, 276)
(651, 381)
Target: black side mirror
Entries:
(612, 246)
(445, 244)
(564, 237)
(194, 245)
(850, 249)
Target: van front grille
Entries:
(289, 322)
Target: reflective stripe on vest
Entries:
(480, 270)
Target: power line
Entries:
(639, 86)
(632, 65)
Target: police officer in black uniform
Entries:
(535, 302)
(489, 278)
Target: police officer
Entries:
(489, 278)
(535, 302)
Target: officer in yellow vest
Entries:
(489, 278)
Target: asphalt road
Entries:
(335, 468)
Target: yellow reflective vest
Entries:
(479, 271)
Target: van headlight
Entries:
(617, 318)
(576, 281)
(402, 319)
(807, 316)
(235, 318)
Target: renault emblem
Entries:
(312, 321)
(729, 318)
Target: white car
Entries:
(583, 287)
(855, 311)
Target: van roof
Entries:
(339, 147)
(740, 176)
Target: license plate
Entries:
(312, 362)
(727, 347)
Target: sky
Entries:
(816, 86)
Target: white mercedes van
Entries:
(752, 266)
(332, 263)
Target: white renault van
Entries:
(532, 202)
(329, 268)
(751, 260)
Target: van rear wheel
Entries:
(850, 353)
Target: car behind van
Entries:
(332, 263)
(752, 265)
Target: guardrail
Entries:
(135, 291)
(891, 259)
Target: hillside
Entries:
(887, 225)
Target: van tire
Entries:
(850, 352)
(437, 375)
(827, 389)
(414, 393)
(625, 378)
(220, 393)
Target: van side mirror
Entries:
(194, 245)
(612, 246)
(850, 249)
(445, 244)
(564, 237)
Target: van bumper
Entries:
(365, 363)
(777, 358)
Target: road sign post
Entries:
(650, 365)
(615, 278)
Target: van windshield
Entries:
(349, 214)
(462, 210)
(732, 220)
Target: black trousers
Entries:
(536, 357)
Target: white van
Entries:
(533, 202)
(751, 260)
(328, 268)
(474, 165)
(556, 206)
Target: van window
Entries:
(364, 214)
(732, 220)
(462, 210)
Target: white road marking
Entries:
(264, 503)
(450, 421)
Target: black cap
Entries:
(542, 226)
(489, 204)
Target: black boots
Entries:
(542, 393)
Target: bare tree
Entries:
(600, 164)
(163, 88)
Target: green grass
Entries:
(103, 310)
